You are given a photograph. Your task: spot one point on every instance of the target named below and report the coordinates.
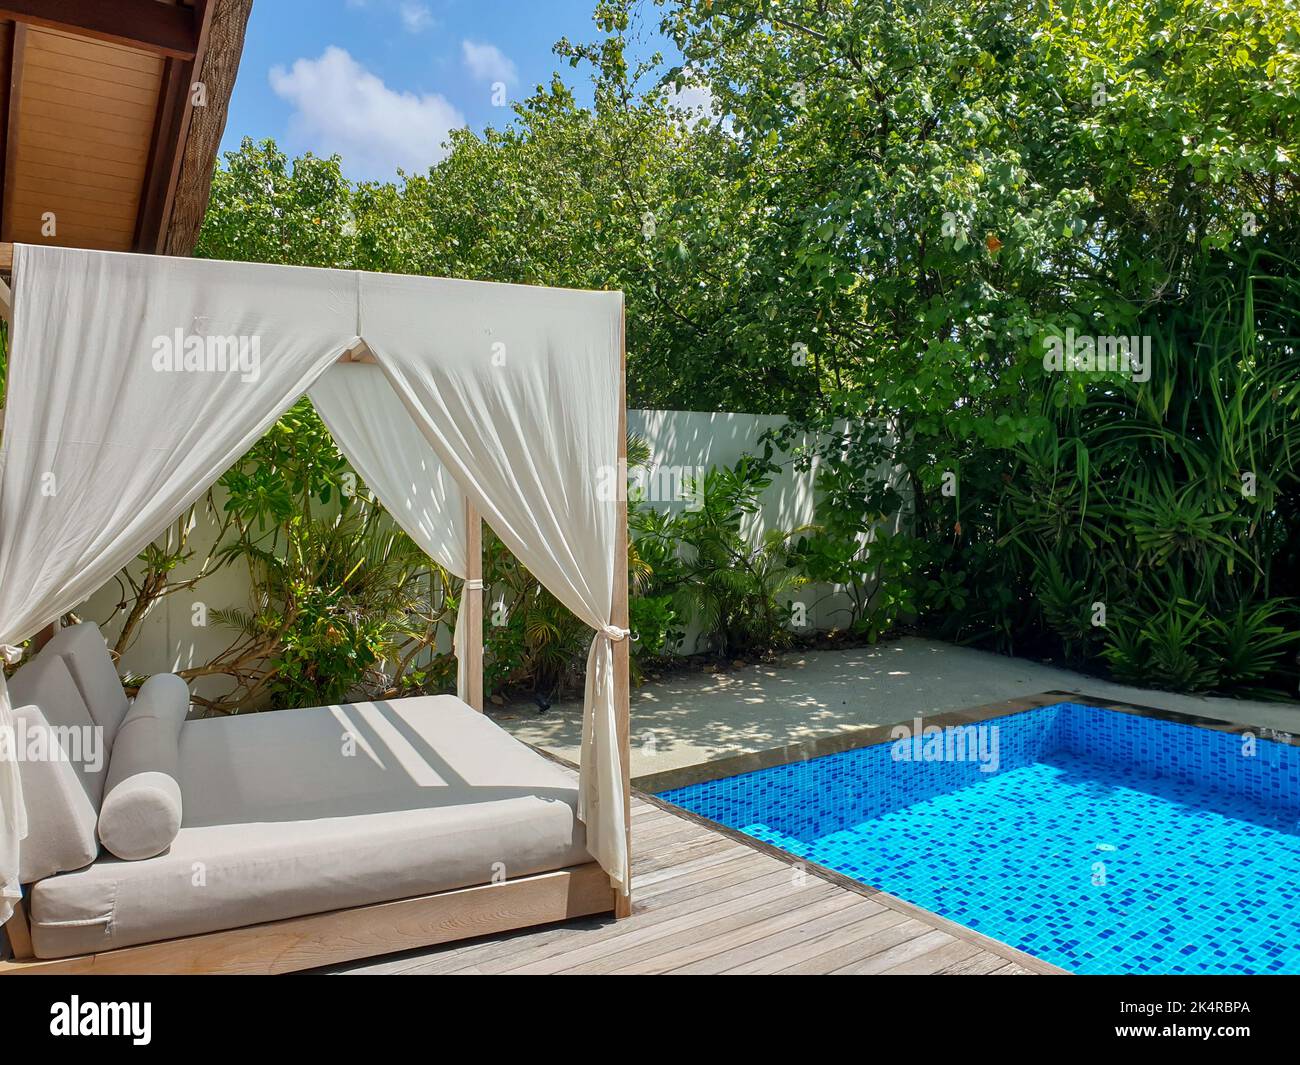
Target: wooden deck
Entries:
(711, 901)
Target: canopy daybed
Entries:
(281, 841)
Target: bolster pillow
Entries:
(141, 812)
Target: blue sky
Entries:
(381, 81)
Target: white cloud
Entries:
(694, 97)
(416, 17)
(342, 107)
(486, 62)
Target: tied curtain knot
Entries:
(614, 633)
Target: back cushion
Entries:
(83, 649)
(61, 760)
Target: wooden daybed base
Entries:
(343, 935)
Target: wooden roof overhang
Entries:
(111, 113)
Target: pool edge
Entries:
(646, 786)
(884, 898)
(871, 735)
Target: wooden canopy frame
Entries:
(405, 924)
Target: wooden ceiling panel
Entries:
(90, 117)
(38, 175)
(85, 49)
(101, 125)
(77, 56)
(59, 138)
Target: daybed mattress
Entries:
(304, 811)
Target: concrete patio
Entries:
(698, 717)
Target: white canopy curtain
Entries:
(120, 415)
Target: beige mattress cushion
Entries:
(304, 811)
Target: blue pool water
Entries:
(1103, 842)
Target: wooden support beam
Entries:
(164, 150)
(173, 158)
(358, 352)
(619, 617)
(16, 56)
(162, 29)
(8, 34)
(472, 604)
(6, 257)
(19, 932)
(221, 45)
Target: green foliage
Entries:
(337, 590)
(945, 184)
(531, 640)
(1170, 501)
(719, 571)
(655, 622)
(1169, 648)
(916, 196)
(265, 209)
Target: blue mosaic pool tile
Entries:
(844, 789)
(1103, 842)
(1214, 760)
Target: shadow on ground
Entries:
(684, 720)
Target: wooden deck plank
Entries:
(786, 958)
(727, 853)
(706, 880)
(539, 948)
(661, 840)
(680, 851)
(719, 952)
(654, 926)
(768, 911)
(935, 961)
(981, 964)
(850, 952)
(899, 953)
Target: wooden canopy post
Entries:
(18, 932)
(472, 603)
(623, 648)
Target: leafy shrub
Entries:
(734, 587)
(337, 590)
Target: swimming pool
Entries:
(1098, 840)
